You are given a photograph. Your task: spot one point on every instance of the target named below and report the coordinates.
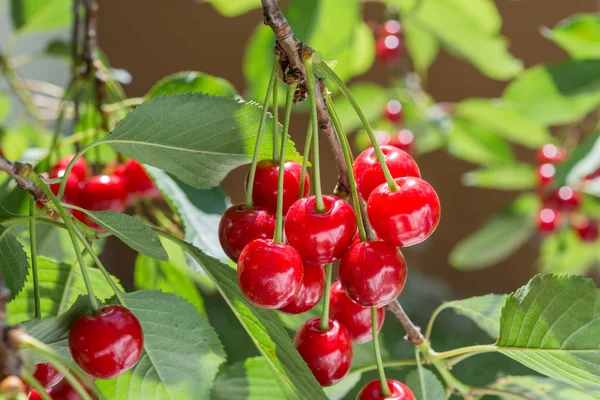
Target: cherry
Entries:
(403, 140)
(64, 391)
(563, 199)
(372, 391)
(373, 273)
(137, 181)
(389, 49)
(108, 344)
(406, 216)
(239, 226)
(34, 395)
(356, 318)
(73, 192)
(547, 220)
(551, 154)
(320, 237)
(587, 229)
(545, 175)
(368, 172)
(264, 193)
(328, 354)
(104, 192)
(311, 291)
(394, 112)
(80, 169)
(270, 274)
(47, 375)
(391, 27)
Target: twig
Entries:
(18, 171)
(413, 332)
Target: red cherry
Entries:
(327, 353)
(388, 49)
(270, 274)
(47, 375)
(138, 182)
(108, 344)
(356, 318)
(406, 216)
(34, 395)
(391, 27)
(368, 172)
(552, 154)
(80, 169)
(547, 220)
(563, 199)
(239, 226)
(394, 112)
(64, 391)
(320, 237)
(403, 140)
(264, 193)
(372, 391)
(73, 192)
(311, 291)
(104, 192)
(587, 229)
(373, 273)
(545, 175)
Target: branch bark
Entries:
(18, 171)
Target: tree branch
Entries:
(18, 171)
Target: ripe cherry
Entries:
(104, 192)
(64, 391)
(356, 318)
(270, 274)
(563, 199)
(587, 229)
(80, 169)
(47, 375)
(373, 273)
(389, 49)
(73, 187)
(547, 220)
(328, 354)
(320, 237)
(137, 181)
(406, 216)
(545, 175)
(108, 344)
(372, 391)
(394, 112)
(551, 154)
(264, 193)
(311, 291)
(239, 226)
(368, 172)
(403, 140)
(34, 395)
(391, 27)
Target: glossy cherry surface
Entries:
(34, 395)
(137, 181)
(356, 318)
(389, 49)
(406, 216)
(80, 169)
(328, 354)
(587, 229)
(264, 193)
(394, 112)
(372, 391)
(64, 391)
(104, 192)
(552, 154)
(368, 172)
(320, 237)
(73, 188)
(563, 199)
(311, 291)
(270, 274)
(239, 226)
(108, 344)
(547, 220)
(47, 375)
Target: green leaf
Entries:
(500, 236)
(341, 389)
(182, 352)
(192, 82)
(505, 177)
(583, 161)
(40, 15)
(198, 138)
(372, 99)
(251, 379)
(132, 231)
(551, 326)
(578, 35)
(423, 47)
(5, 106)
(59, 48)
(425, 385)
(230, 8)
(483, 310)
(565, 252)
(539, 388)
(556, 94)
(364, 44)
(472, 143)
(60, 286)
(13, 262)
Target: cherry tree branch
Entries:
(18, 171)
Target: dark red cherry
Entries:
(372, 391)
(73, 188)
(356, 318)
(80, 169)
(328, 354)
(394, 112)
(368, 172)
(391, 27)
(311, 291)
(108, 344)
(373, 273)
(137, 181)
(104, 192)
(547, 220)
(403, 140)
(270, 274)
(406, 216)
(239, 226)
(264, 193)
(587, 229)
(389, 49)
(551, 154)
(320, 237)
(34, 395)
(545, 175)
(563, 199)
(47, 375)
(64, 391)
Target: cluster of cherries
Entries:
(288, 275)
(561, 202)
(389, 45)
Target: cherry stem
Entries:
(34, 383)
(385, 390)
(276, 114)
(348, 158)
(261, 126)
(322, 66)
(77, 156)
(289, 102)
(308, 64)
(34, 264)
(305, 156)
(324, 326)
(442, 368)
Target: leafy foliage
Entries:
(564, 252)
(251, 379)
(192, 82)
(583, 161)
(504, 177)
(578, 35)
(425, 385)
(234, 8)
(537, 387)
(13, 262)
(40, 15)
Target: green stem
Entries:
(261, 126)
(276, 115)
(326, 298)
(127, 103)
(315, 127)
(442, 368)
(385, 390)
(34, 383)
(289, 102)
(305, 155)
(486, 348)
(322, 66)
(34, 265)
(433, 317)
(77, 156)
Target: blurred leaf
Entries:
(192, 82)
(40, 15)
(364, 49)
(13, 262)
(498, 238)
(423, 47)
(59, 48)
(372, 99)
(505, 177)
(499, 117)
(483, 310)
(425, 385)
(230, 8)
(470, 142)
(5, 106)
(565, 252)
(578, 35)
(556, 94)
(341, 389)
(583, 161)
(539, 388)
(251, 379)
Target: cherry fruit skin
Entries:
(137, 181)
(545, 175)
(64, 391)
(389, 49)
(264, 193)
(320, 237)
(328, 354)
(270, 274)
(551, 154)
(563, 199)
(368, 172)
(394, 111)
(47, 375)
(73, 187)
(391, 27)
(373, 273)
(104, 192)
(239, 226)
(80, 169)
(108, 344)
(587, 229)
(406, 216)
(356, 318)
(311, 291)
(372, 391)
(547, 220)
(34, 395)
(403, 140)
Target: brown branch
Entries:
(19, 171)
